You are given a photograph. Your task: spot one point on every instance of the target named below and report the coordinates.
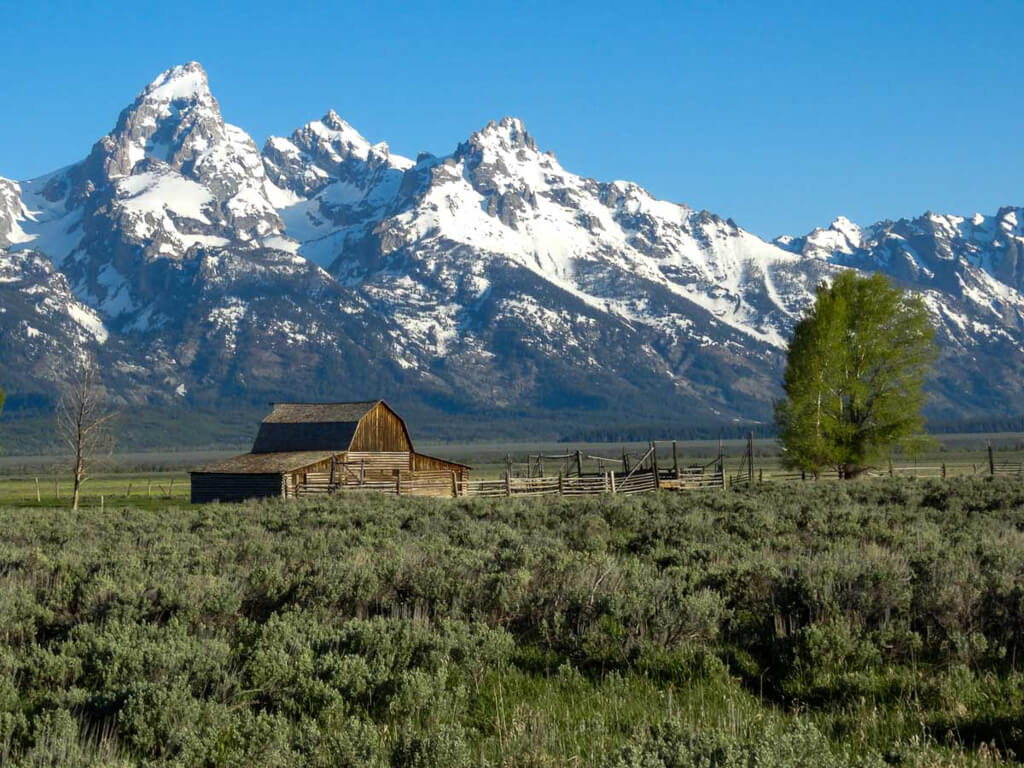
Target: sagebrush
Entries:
(828, 624)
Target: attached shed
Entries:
(347, 443)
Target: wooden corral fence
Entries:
(641, 475)
(747, 474)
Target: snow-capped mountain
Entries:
(202, 269)
(969, 272)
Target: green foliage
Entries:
(819, 625)
(854, 375)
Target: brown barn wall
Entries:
(296, 477)
(380, 430)
(421, 463)
(377, 461)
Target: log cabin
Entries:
(304, 446)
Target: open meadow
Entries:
(873, 622)
(150, 479)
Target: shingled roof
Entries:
(310, 426)
(266, 463)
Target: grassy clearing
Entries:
(137, 478)
(865, 623)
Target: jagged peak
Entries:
(509, 131)
(185, 82)
(338, 131)
(335, 122)
(336, 136)
(841, 223)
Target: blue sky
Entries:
(781, 115)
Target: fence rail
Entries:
(449, 484)
(919, 472)
(637, 473)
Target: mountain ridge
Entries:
(202, 269)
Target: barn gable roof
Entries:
(266, 463)
(304, 413)
(312, 426)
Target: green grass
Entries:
(148, 489)
(140, 471)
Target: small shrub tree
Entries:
(83, 422)
(855, 374)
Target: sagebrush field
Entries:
(865, 623)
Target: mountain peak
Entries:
(185, 82)
(335, 122)
(509, 131)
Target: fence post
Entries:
(579, 463)
(654, 466)
(612, 476)
(625, 461)
(675, 459)
(39, 497)
(991, 461)
(890, 466)
(750, 457)
(508, 484)
(455, 486)
(760, 475)
(943, 470)
(561, 485)
(398, 482)
(101, 502)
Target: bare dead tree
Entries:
(84, 421)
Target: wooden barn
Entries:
(322, 447)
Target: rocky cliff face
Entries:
(204, 270)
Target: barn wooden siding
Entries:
(213, 486)
(320, 446)
(423, 463)
(381, 430)
(379, 461)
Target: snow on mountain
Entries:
(501, 198)
(841, 236)
(490, 278)
(970, 274)
(170, 180)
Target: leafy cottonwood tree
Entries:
(855, 375)
(83, 422)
